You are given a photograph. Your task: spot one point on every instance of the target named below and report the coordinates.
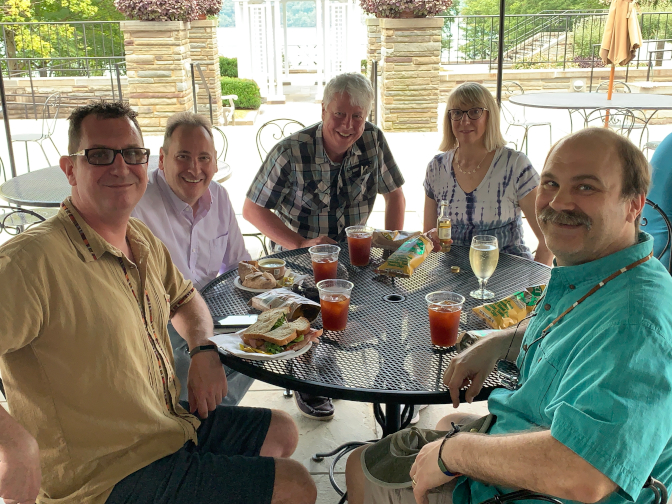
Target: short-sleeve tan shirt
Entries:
(85, 355)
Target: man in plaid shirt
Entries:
(324, 178)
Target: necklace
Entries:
(468, 172)
(510, 370)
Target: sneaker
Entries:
(315, 407)
(416, 413)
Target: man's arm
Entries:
(395, 206)
(206, 383)
(533, 461)
(20, 472)
(478, 361)
(271, 225)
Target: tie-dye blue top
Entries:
(492, 208)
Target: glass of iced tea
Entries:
(445, 309)
(359, 244)
(325, 261)
(335, 302)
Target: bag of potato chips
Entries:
(510, 310)
(392, 240)
(407, 257)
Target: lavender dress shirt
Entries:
(201, 246)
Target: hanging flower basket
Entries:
(405, 8)
(159, 10)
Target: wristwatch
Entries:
(202, 348)
(442, 466)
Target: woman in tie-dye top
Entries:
(486, 184)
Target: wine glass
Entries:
(483, 256)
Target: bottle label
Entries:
(445, 233)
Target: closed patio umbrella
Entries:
(622, 37)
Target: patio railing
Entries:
(550, 39)
(60, 49)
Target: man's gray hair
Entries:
(188, 119)
(355, 85)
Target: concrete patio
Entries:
(353, 421)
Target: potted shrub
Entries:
(210, 7)
(405, 8)
(159, 10)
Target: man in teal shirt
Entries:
(589, 419)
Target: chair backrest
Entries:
(52, 105)
(619, 87)
(668, 225)
(620, 120)
(13, 220)
(511, 88)
(2, 167)
(221, 143)
(273, 131)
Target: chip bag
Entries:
(392, 240)
(299, 306)
(510, 310)
(407, 257)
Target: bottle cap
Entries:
(455, 269)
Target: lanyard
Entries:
(512, 371)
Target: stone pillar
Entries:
(410, 55)
(157, 66)
(372, 43)
(204, 50)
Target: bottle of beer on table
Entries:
(444, 227)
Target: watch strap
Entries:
(202, 348)
(442, 466)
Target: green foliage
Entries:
(473, 7)
(228, 67)
(363, 65)
(654, 24)
(587, 33)
(249, 95)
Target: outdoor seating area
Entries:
(447, 257)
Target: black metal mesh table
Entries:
(385, 354)
(48, 187)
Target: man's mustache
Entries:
(568, 217)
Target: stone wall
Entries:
(203, 49)
(410, 55)
(74, 91)
(158, 68)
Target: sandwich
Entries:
(273, 333)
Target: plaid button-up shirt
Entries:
(314, 196)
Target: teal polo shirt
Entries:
(601, 380)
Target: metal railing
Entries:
(204, 83)
(550, 39)
(57, 49)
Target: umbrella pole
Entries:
(500, 51)
(610, 91)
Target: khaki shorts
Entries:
(376, 494)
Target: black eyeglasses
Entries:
(102, 156)
(473, 113)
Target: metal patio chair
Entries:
(230, 110)
(222, 148)
(14, 220)
(268, 135)
(620, 120)
(512, 88)
(640, 116)
(668, 225)
(50, 111)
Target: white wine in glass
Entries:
(483, 256)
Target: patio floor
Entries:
(353, 421)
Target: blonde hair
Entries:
(468, 95)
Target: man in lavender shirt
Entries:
(194, 218)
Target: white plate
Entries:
(231, 343)
(238, 284)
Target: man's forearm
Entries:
(533, 461)
(395, 208)
(271, 225)
(193, 322)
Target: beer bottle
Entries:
(444, 227)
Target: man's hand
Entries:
(20, 472)
(434, 235)
(320, 240)
(206, 383)
(474, 364)
(426, 473)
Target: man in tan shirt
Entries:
(87, 363)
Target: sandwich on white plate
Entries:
(273, 333)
